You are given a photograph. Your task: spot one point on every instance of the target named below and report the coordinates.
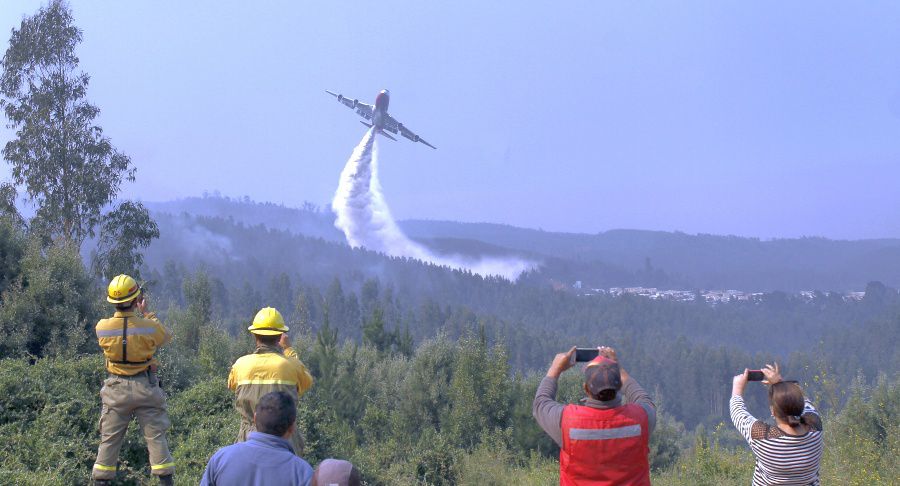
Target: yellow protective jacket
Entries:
(268, 369)
(129, 349)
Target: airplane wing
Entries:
(426, 143)
(406, 132)
(364, 110)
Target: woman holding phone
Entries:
(788, 452)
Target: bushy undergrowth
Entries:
(448, 414)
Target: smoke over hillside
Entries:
(364, 217)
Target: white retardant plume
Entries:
(364, 217)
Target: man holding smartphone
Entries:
(604, 440)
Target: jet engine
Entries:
(355, 102)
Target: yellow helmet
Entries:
(122, 289)
(268, 322)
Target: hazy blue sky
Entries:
(750, 118)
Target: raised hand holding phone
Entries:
(141, 303)
(284, 341)
(772, 374)
(561, 362)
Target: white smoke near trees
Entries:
(365, 219)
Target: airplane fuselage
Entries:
(381, 108)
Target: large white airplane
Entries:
(378, 115)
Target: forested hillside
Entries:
(615, 257)
(253, 266)
(394, 344)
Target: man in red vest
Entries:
(605, 439)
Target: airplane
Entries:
(379, 116)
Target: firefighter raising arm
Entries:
(273, 366)
(304, 378)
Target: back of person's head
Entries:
(602, 379)
(125, 306)
(335, 472)
(275, 413)
(267, 340)
(786, 400)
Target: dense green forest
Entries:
(611, 258)
(444, 411)
(423, 374)
(312, 278)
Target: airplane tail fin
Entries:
(379, 131)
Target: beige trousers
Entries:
(125, 398)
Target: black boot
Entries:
(103, 482)
(168, 480)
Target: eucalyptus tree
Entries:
(68, 169)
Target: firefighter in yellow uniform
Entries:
(274, 366)
(132, 388)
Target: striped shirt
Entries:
(781, 458)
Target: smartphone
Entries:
(755, 375)
(585, 354)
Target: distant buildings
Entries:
(708, 296)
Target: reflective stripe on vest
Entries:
(261, 381)
(605, 434)
(125, 344)
(604, 446)
(134, 331)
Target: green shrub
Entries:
(401, 420)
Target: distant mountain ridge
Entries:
(611, 258)
(707, 261)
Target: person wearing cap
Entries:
(274, 366)
(267, 456)
(605, 439)
(132, 390)
(336, 472)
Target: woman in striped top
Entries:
(789, 451)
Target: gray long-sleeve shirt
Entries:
(548, 412)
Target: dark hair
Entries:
(354, 479)
(606, 395)
(268, 340)
(275, 413)
(126, 306)
(786, 399)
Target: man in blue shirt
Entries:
(267, 457)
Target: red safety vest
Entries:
(604, 446)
